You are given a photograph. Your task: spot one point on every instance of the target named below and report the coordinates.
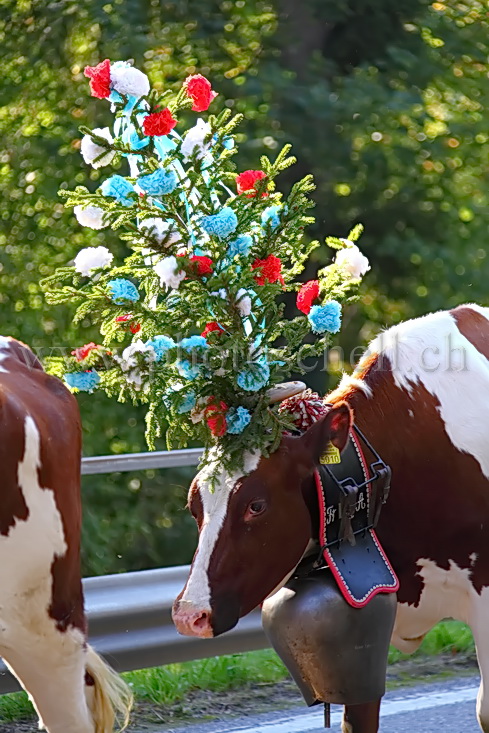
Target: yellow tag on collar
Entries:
(330, 455)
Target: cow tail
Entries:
(112, 698)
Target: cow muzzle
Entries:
(192, 621)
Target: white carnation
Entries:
(135, 377)
(243, 302)
(197, 413)
(91, 151)
(167, 271)
(159, 229)
(130, 365)
(127, 80)
(221, 293)
(128, 359)
(352, 261)
(90, 216)
(91, 258)
(150, 257)
(194, 140)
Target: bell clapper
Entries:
(327, 715)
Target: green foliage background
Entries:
(384, 102)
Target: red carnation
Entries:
(99, 79)
(215, 415)
(306, 295)
(246, 182)
(200, 92)
(201, 265)
(133, 327)
(270, 270)
(83, 351)
(210, 327)
(159, 123)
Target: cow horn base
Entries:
(335, 653)
(284, 390)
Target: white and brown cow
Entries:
(42, 621)
(421, 397)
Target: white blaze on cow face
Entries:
(431, 351)
(197, 593)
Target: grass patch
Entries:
(15, 706)
(170, 684)
(447, 636)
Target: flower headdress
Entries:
(199, 297)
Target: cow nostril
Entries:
(201, 621)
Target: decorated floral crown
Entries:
(199, 295)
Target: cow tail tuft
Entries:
(112, 698)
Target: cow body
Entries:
(430, 423)
(42, 620)
(421, 396)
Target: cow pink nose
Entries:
(193, 623)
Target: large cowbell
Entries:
(334, 652)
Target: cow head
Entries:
(253, 529)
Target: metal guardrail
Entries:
(141, 461)
(129, 615)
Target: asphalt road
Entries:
(447, 707)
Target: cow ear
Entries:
(332, 428)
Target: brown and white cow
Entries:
(42, 621)
(421, 397)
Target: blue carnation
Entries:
(271, 216)
(159, 183)
(188, 370)
(237, 418)
(221, 224)
(118, 188)
(254, 377)
(193, 342)
(325, 317)
(122, 290)
(161, 344)
(187, 404)
(83, 381)
(240, 246)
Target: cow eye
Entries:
(256, 507)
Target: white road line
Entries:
(313, 721)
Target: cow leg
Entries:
(480, 630)
(53, 675)
(361, 718)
